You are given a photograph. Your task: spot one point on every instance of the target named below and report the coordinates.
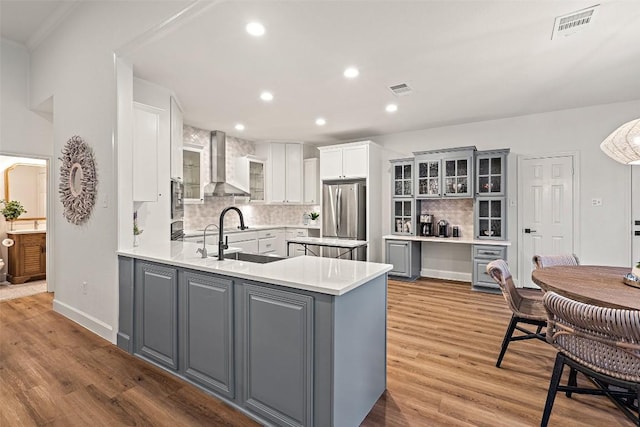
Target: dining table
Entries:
(591, 284)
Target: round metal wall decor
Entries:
(78, 180)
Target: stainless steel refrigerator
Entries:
(344, 217)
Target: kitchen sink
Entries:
(257, 258)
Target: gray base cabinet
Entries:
(206, 318)
(156, 313)
(286, 357)
(277, 334)
(483, 255)
(404, 255)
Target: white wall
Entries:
(76, 66)
(604, 236)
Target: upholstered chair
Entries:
(525, 304)
(541, 261)
(601, 343)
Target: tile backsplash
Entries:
(457, 212)
(196, 217)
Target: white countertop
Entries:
(324, 241)
(462, 240)
(26, 231)
(214, 230)
(324, 275)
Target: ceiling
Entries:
(465, 61)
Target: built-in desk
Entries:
(406, 254)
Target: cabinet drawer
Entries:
(263, 234)
(482, 278)
(242, 237)
(301, 232)
(267, 245)
(489, 252)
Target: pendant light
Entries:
(623, 145)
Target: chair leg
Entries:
(539, 329)
(638, 401)
(553, 388)
(507, 338)
(572, 380)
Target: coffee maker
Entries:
(426, 225)
(443, 228)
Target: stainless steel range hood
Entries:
(219, 187)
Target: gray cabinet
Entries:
(483, 255)
(402, 177)
(403, 217)
(490, 218)
(404, 255)
(444, 173)
(458, 174)
(156, 313)
(427, 180)
(206, 331)
(491, 173)
(277, 359)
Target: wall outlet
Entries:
(596, 202)
(84, 288)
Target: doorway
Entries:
(547, 206)
(25, 180)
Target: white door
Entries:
(331, 164)
(545, 201)
(635, 214)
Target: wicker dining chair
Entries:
(525, 304)
(541, 261)
(601, 343)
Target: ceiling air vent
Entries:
(401, 89)
(575, 21)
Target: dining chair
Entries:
(541, 261)
(601, 343)
(525, 304)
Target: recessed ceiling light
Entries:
(255, 29)
(391, 108)
(320, 121)
(240, 127)
(266, 96)
(351, 72)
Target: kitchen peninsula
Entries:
(300, 341)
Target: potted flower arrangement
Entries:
(314, 217)
(136, 229)
(12, 210)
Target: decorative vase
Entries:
(136, 242)
(313, 222)
(636, 272)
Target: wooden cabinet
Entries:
(444, 173)
(146, 135)
(483, 255)
(156, 314)
(278, 362)
(312, 180)
(27, 257)
(491, 173)
(206, 331)
(176, 140)
(286, 172)
(404, 255)
(344, 162)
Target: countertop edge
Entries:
(458, 240)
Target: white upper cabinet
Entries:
(286, 172)
(311, 180)
(346, 162)
(146, 135)
(176, 141)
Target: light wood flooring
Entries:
(443, 341)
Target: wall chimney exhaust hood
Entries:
(219, 187)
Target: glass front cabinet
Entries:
(403, 217)
(491, 172)
(402, 177)
(490, 218)
(428, 178)
(458, 176)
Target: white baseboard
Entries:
(96, 326)
(446, 275)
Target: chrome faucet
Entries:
(222, 244)
(203, 249)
